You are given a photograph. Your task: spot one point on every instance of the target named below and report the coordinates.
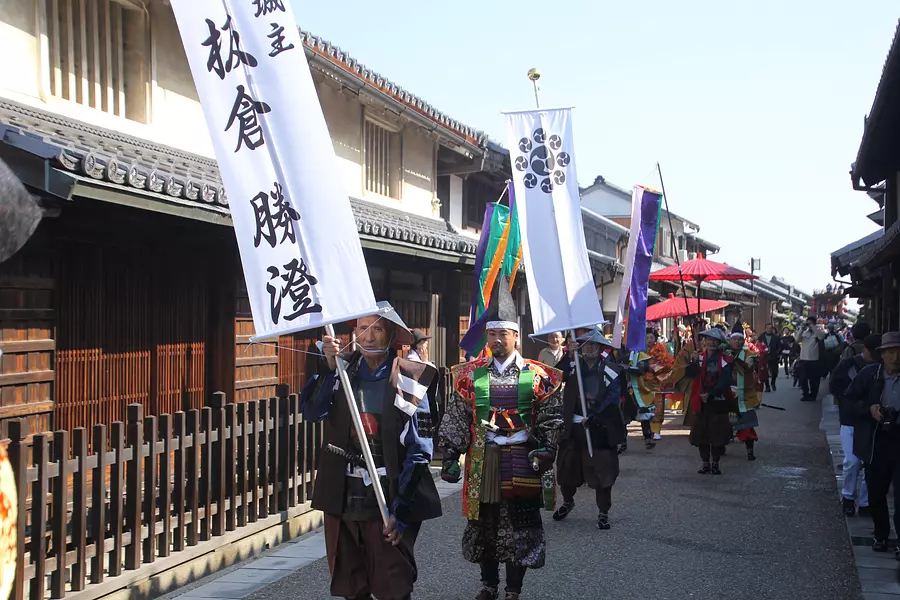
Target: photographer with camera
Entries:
(875, 394)
(811, 351)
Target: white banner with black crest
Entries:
(299, 247)
(560, 282)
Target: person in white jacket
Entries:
(810, 352)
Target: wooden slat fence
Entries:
(152, 486)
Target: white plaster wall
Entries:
(343, 115)
(609, 295)
(456, 201)
(606, 203)
(177, 116)
(19, 48)
(418, 172)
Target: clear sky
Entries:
(754, 109)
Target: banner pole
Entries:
(584, 413)
(361, 433)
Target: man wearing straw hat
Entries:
(505, 413)
(575, 465)
(875, 394)
(365, 557)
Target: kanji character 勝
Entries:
(264, 7)
(244, 111)
(297, 285)
(277, 37)
(236, 56)
(270, 218)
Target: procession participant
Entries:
(710, 401)
(746, 381)
(366, 557)
(773, 345)
(419, 350)
(637, 405)
(657, 379)
(505, 414)
(553, 353)
(601, 379)
(786, 346)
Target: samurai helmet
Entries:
(501, 313)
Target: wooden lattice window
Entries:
(382, 148)
(98, 53)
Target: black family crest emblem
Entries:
(542, 161)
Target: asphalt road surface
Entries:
(770, 529)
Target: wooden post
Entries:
(303, 457)
(79, 508)
(40, 449)
(253, 460)
(116, 493)
(151, 468)
(263, 451)
(279, 454)
(59, 519)
(191, 482)
(98, 508)
(230, 459)
(243, 421)
(134, 485)
(18, 458)
(165, 485)
(293, 415)
(206, 474)
(450, 308)
(217, 478)
(180, 482)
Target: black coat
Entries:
(607, 426)
(328, 492)
(841, 377)
(864, 392)
(773, 343)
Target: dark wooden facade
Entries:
(111, 305)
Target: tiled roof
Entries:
(394, 224)
(342, 60)
(141, 167)
(872, 164)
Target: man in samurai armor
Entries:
(575, 465)
(746, 382)
(710, 400)
(504, 413)
(365, 556)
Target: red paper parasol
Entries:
(677, 307)
(699, 270)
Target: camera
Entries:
(890, 417)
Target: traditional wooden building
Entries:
(873, 262)
(131, 289)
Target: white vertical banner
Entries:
(630, 253)
(297, 237)
(560, 282)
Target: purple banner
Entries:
(636, 338)
(479, 256)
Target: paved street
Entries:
(769, 529)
